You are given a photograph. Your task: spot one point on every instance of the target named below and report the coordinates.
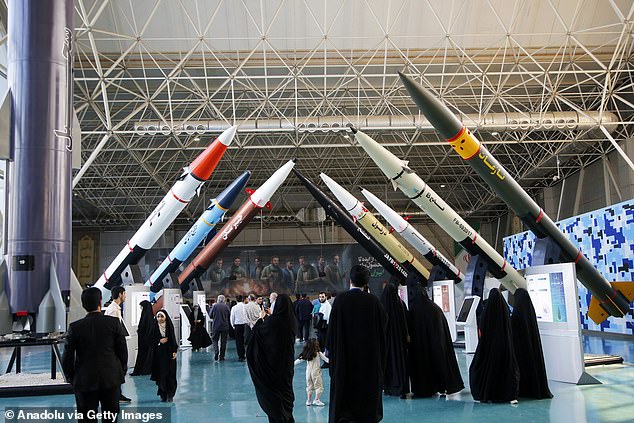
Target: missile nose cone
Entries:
(226, 198)
(203, 166)
(354, 130)
(263, 194)
(227, 136)
(347, 200)
(434, 110)
(294, 159)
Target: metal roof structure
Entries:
(547, 85)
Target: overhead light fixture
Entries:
(442, 185)
(196, 138)
(346, 136)
(495, 134)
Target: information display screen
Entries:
(548, 296)
(441, 297)
(464, 310)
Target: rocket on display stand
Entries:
(199, 230)
(164, 214)
(423, 196)
(240, 219)
(366, 241)
(414, 237)
(607, 299)
(370, 223)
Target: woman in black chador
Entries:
(164, 363)
(143, 363)
(395, 374)
(433, 364)
(494, 374)
(528, 348)
(270, 356)
(199, 336)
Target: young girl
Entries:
(311, 354)
(164, 361)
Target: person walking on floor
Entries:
(312, 355)
(221, 316)
(238, 321)
(95, 357)
(114, 310)
(164, 360)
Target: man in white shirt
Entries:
(114, 310)
(238, 322)
(252, 314)
(272, 299)
(324, 309)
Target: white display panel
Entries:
(547, 292)
(553, 290)
(443, 293)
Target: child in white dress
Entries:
(313, 356)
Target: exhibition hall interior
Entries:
(317, 210)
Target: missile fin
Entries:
(268, 205)
(406, 167)
(596, 312)
(249, 191)
(394, 184)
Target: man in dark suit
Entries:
(95, 357)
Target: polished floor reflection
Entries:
(221, 392)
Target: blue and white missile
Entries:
(169, 208)
(197, 233)
(416, 240)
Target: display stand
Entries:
(172, 304)
(553, 291)
(186, 326)
(443, 295)
(41, 386)
(135, 294)
(467, 321)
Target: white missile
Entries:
(375, 228)
(411, 235)
(423, 196)
(169, 208)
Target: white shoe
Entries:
(308, 403)
(318, 403)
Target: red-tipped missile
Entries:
(607, 298)
(240, 219)
(164, 214)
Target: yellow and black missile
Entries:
(608, 299)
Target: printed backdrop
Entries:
(606, 237)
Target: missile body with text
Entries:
(370, 223)
(240, 219)
(411, 235)
(340, 216)
(164, 214)
(197, 233)
(607, 299)
(423, 196)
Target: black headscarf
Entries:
(494, 374)
(143, 363)
(270, 356)
(396, 374)
(433, 364)
(163, 365)
(199, 337)
(528, 348)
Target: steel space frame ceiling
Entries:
(173, 63)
